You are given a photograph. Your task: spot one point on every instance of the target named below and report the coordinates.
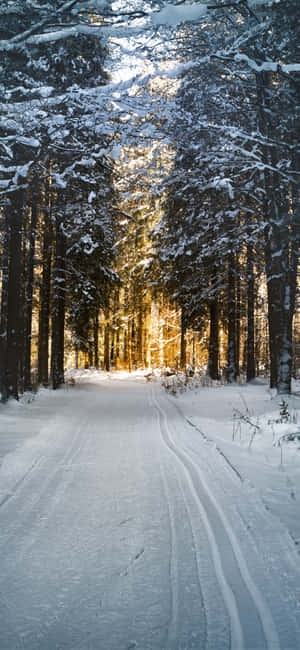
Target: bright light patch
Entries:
(173, 15)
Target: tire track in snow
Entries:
(215, 521)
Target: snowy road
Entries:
(121, 527)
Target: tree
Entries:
(41, 134)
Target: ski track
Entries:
(173, 568)
(173, 632)
(13, 493)
(212, 442)
(189, 515)
(50, 484)
(270, 637)
(237, 640)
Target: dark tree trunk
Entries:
(112, 347)
(213, 348)
(129, 345)
(76, 357)
(290, 288)
(117, 333)
(14, 331)
(22, 313)
(118, 348)
(91, 354)
(250, 314)
(106, 343)
(273, 283)
(45, 295)
(280, 249)
(96, 336)
(140, 333)
(3, 313)
(28, 303)
(125, 355)
(231, 349)
(288, 294)
(274, 309)
(182, 342)
(238, 317)
(58, 317)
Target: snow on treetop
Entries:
(172, 15)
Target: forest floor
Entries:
(134, 517)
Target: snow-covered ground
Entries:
(131, 518)
(258, 432)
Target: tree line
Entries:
(202, 226)
(56, 209)
(232, 209)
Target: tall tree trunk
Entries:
(96, 337)
(237, 317)
(129, 345)
(3, 313)
(274, 309)
(112, 347)
(29, 295)
(76, 356)
(213, 348)
(147, 350)
(117, 334)
(182, 341)
(125, 355)
(231, 306)
(140, 333)
(273, 284)
(289, 284)
(279, 249)
(250, 313)
(107, 342)
(290, 288)
(22, 312)
(14, 332)
(90, 353)
(58, 317)
(45, 297)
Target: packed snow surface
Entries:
(131, 518)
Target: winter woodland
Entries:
(149, 188)
(149, 247)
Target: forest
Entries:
(149, 189)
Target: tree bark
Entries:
(3, 314)
(280, 250)
(129, 345)
(14, 326)
(45, 297)
(96, 336)
(213, 348)
(237, 317)
(250, 313)
(29, 295)
(182, 342)
(107, 343)
(231, 306)
(58, 317)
